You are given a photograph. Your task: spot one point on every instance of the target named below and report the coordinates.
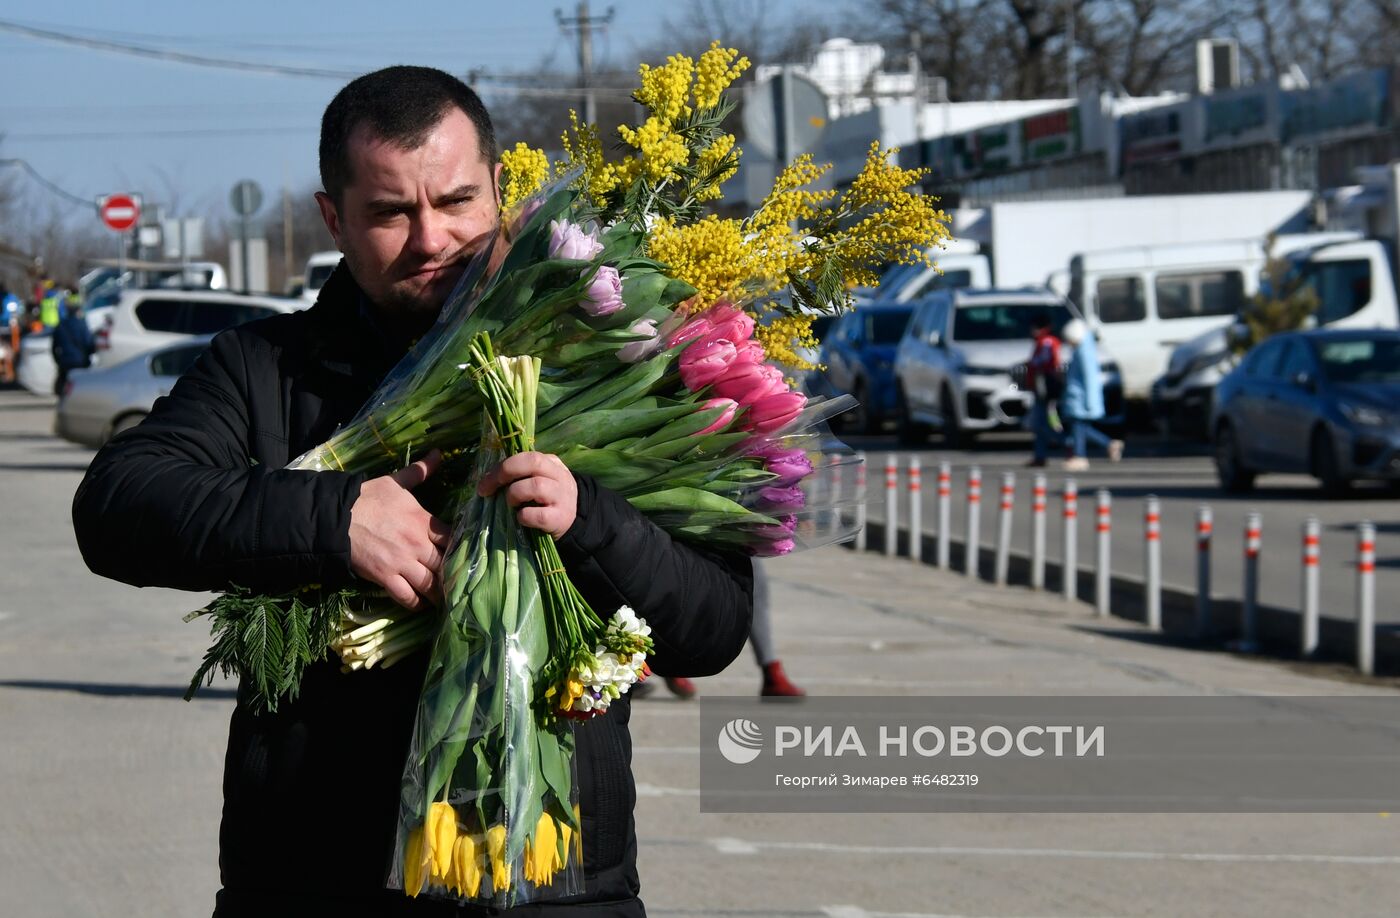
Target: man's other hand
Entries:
(540, 486)
(394, 542)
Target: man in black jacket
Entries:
(197, 497)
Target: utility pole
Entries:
(1071, 77)
(916, 41)
(582, 25)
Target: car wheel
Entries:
(125, 423)
(911, 432)
(1234, 477)
(1325, 467)
(954, 437)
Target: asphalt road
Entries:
(109, 783)
(1184, 479)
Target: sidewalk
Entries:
(863, 624)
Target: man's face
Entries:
(410, 220)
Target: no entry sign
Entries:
(119, 211)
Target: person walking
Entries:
(1082, 402)
(776, 683)
(11, 315)
(73, 345)
(198, 497)
(1045, 380)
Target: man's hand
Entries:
(394, 542)
(541, 486)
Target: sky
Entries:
(94, 122)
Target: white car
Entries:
(956, 366)
(318, 267)
(146, 319)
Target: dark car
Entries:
(858, 358)
(1326, 403)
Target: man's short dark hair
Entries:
(1041, 319)
(400, 105)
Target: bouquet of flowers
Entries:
(643, 340)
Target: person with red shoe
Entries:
(776, 683)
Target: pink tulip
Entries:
(604, 294)
(774, 412)
(698, 327)
(737, 329)
(704, 362)
(730, 407)
(749, 351)
(748, 383)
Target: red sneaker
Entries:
(681, 687)
(777, 684)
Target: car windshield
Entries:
(886, 326)
(1361, 361)
(1004, 321)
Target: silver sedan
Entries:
(100, 403)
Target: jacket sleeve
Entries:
(698, 603)
(177, 501)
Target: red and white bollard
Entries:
(1069, 570)
(1038, 533)
(1205, 528)
(861, 497)
(1103, 576)
(891, 505)
(916, 510)
(1008, 502)
(974, 519)
(1152, 530)
(1249, 625)
(945, 514)
(1312, 606)
(1366, 598)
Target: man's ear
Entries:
(330, 216)
(496, 183)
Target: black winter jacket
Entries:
(197, 498)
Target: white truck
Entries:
(1031, 243)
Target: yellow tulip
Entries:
(442, 831)
(543, 851)
(466, 866)
(566, 833)
(578, 836)
(496, 849)
(416, 860)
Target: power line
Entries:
(180, 57)
(50, 186)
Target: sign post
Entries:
(120, 212)
(246, 198)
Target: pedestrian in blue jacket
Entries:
(1082, 401)
(73, 345)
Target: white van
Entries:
(1352, 279)
(318, 267)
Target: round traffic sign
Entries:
(120, 212)
(246, 197)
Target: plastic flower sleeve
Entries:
(489, 805)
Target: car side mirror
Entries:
(935, 339)
(1305, 381)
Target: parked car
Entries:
(36, 370)
(100, 403)
(1349, 275)
(318, 267)
(858, 358)
(1324, 403)
(957, 365)
(146, 319)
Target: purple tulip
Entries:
(774, 549)
(777, 531)
(569, 240)
(790, 465)
(774, 499)
(636, 351)
(604, 294)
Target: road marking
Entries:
(852, 911)
(666, 750)
(744, 846)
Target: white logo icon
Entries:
(740, 741)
